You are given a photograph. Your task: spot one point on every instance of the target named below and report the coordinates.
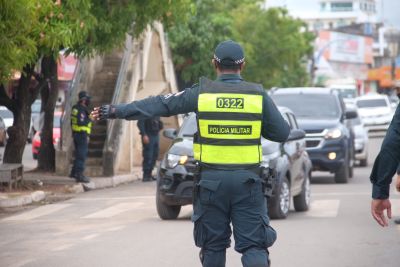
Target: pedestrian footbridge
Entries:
(143, 67)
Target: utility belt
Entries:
(268, 175)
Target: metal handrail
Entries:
(115, 125)
(66, 113)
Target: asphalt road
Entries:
(120, 227)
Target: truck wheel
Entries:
(364, 162)
(342, 175)
(166, 212)
(351, 171)
(302, 201)
(279, 204)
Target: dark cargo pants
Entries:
(150, 154)
(81, 149)
(222, 197)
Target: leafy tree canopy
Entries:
(276, 45)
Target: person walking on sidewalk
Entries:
(81, 125)
(149, 130)
(232, 115)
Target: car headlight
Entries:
(173, 160)
(333, 133)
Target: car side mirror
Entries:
(296, 134)
(170, 133)
(351, 114)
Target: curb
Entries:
(9, 202)
(37, 196)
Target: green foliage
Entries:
(17, 47)
(193, 42)
(276, 47)
(30, 29)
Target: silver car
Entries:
(360, 134)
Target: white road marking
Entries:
(89, 237)
(114, 198)
(21, 263)
(114, 210)
(324, 208)
(38, 212)
(395, 207)
(113, 229)
(341, 194)
(62, 247)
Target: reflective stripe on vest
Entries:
(229, 122)
(74, 123)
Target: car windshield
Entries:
(36, 106)
(371, 103)
(347, 93)
(356, 121)
(6, 114)
(189, 126)
(309, 105)
(57, 122)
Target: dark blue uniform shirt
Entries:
(387, 160)
(274, 127)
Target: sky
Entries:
(390, 13)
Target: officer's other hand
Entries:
(145, 139)
(378, 207)
(398, 183)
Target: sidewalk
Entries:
(37, 187)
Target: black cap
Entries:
(83, 95)
(229, 53)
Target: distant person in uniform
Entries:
(81, 125)
(149, 130)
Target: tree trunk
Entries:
(49, 94)
(20, 106)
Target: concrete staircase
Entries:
(101, 90)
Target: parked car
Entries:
(290, 160)
(375, 111)
(321, 113)
(3, 132)
(360, 136)
(7, 116)
(35, 115)
(36, 142)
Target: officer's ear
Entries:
(242, 66)
(214, 62)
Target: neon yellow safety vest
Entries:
(229, 123)
(74, 122)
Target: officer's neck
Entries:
(219, 72)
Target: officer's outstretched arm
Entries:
(162, 106)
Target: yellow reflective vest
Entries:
(76, 120)
(229, 123)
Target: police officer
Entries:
(232, 115)
(149, 129)
(81, 125)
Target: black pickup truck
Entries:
(322, 114)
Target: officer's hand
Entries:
(378, 206)
(145, 139)
(398, 183)
(103, 113)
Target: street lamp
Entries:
(392, 37)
